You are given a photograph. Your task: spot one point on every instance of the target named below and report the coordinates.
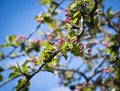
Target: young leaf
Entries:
(13, 74)
(44, 2)
(19, 69)
(75, 20)
(10, 39)
(25, 63)
(48, 68)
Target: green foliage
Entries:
(44, 2)
(13, 74)
(11, 39)
(83, 36)
(109, 13)
(5, 45)
(22, 82)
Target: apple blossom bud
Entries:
(66, 9)
(56, 44)
(78, 44)
(67, 14)
(34, 60)
(67, 20)
(68, 39)
(107, 70)
(36, 41)
(60, 40)
(20, 38)
(74, 40)
(82, 47)
(65, 27)
(88, 51)
(105, 44)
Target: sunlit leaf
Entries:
(13, 74)
(10, 39)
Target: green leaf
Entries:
(73, 6)
(65, 56)
(76, 14)
(48, 68)
(5, 45)
(87, 1)
(1, 77)
(22, 82)
(108, 10)
(25, 63)
(14, 68)
(75, 20)
(25, 69)
(87, 89)
(44, 2)
(53, 61)
(48, 19)
(10, 39)
(109, 14)
(19, 69)
(13, 74)
(72, 33)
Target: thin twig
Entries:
(8, 80)
(38, 26)
(56, 5)
(75, 71)
(30, 76)
(96, 68)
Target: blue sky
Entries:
(16, 17)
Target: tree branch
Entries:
(96, 68)
(75, 71)
(29, 77)
(8, 80)
(8, 55)
(56, 5)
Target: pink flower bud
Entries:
(66, 9)
(35, 60)
(105, 44)
(82, 47)
(20, 38)
(67, 14)
(67, 20)
(107, 70)
(88, 51)
(50, 34)
(60, 40)
(65, 27)
(56, 44)
(78, 44)
(36, 41)
(79, 88)
(68, 39)
(74, 40)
